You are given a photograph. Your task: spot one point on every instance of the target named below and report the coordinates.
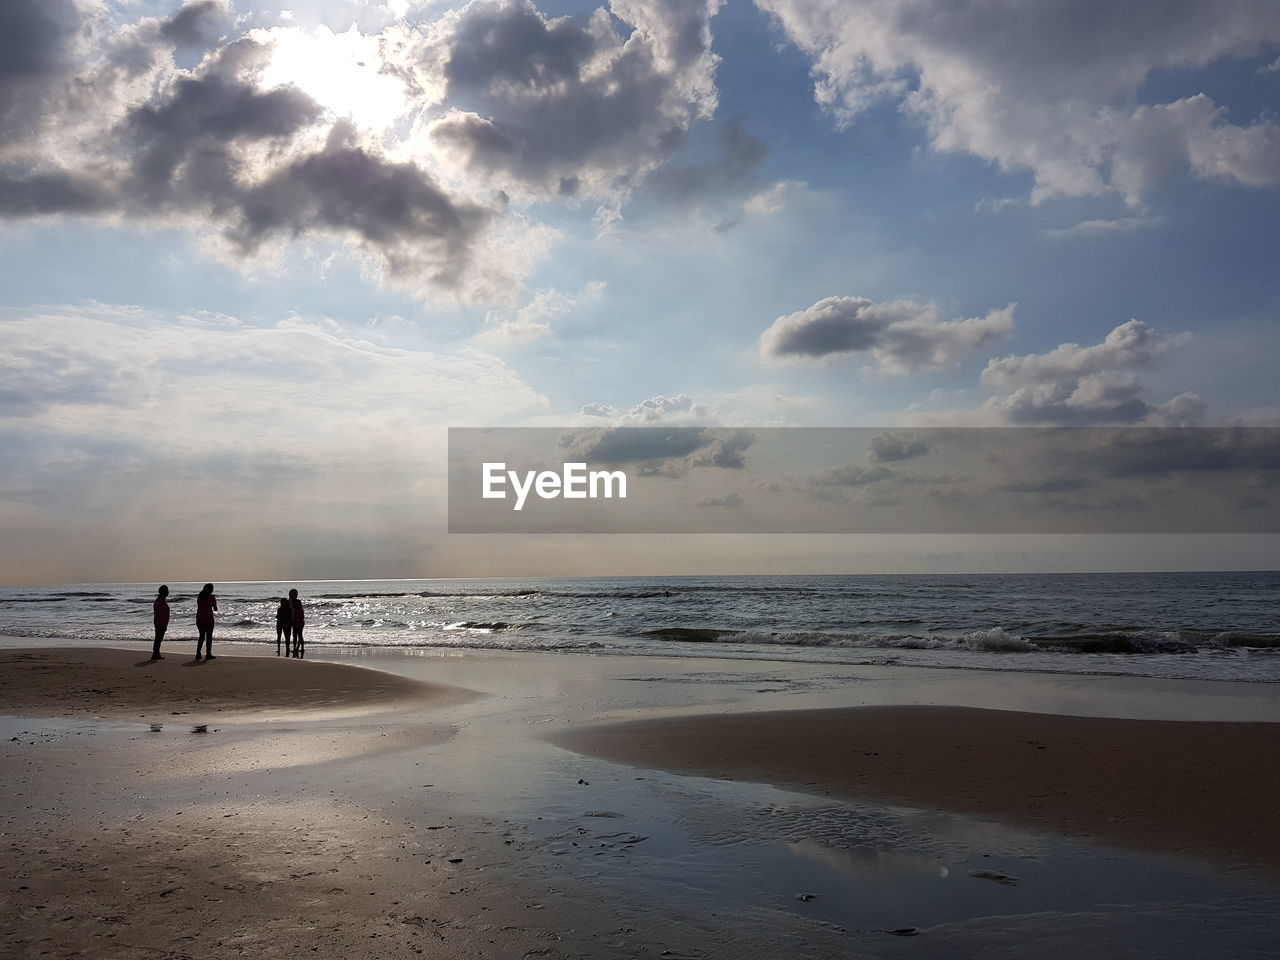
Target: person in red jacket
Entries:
(161, 608)
(299, 620)
(206, 604)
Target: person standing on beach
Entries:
(161, 618)
(284, 627)
(206, 604)
(299, 619)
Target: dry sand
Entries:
(1210, 790)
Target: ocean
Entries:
(1210, 626)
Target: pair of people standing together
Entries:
(289, 622)
(206, 604)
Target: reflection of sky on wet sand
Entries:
(737, 856)
(745, 852)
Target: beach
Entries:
(484, 804)
(113, 682)
(1152, 785)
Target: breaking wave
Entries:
(992, 640)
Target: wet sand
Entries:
(253, 838)
(334, 810)
(314, 817)
(107, 682)
(1211, 790)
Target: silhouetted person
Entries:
(299, 620)
(206, 604)
(284, 627)
(161, 608)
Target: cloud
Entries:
(1093, 227)
(775, 198)
(738, 153)
(850, 475)
(634, 444)
(1131, 345)
(892, 448)
(995, 204)
(1052, 88)
(570, 106)
(39, 43)
(202, 386)
(393, 210)
(1160, 452)
(416, 148)
(901, 336)
(1096, 384)
(670, 434)
(215, 149)
(731, 500)
(532, 322)
(198, 22)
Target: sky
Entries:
(257, 258)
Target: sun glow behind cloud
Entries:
(340, 71)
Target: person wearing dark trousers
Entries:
(161, 618)
(206, 604)
(299, 620)
(284, 627)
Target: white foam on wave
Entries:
(996, 640)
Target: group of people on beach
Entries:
(290, 619)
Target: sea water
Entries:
(1221, 626)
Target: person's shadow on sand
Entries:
(193, 663)
(145, 663)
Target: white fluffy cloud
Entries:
(1095, 384)
(1051, 87)
(901, 336)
